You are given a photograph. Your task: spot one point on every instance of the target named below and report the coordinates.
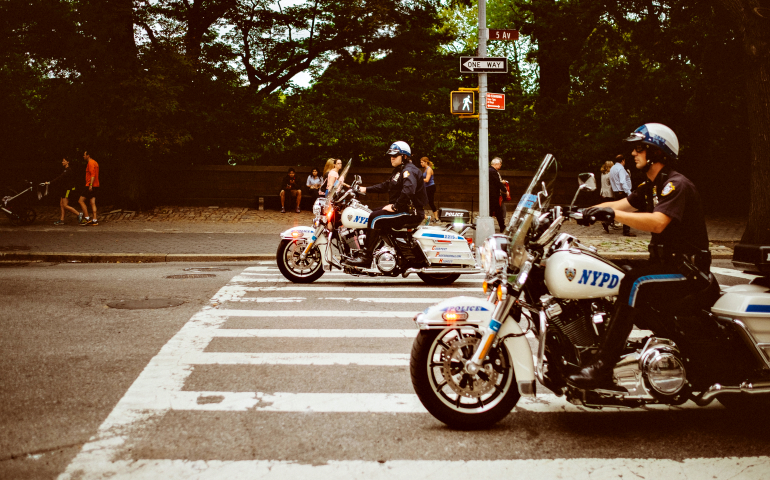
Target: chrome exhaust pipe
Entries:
(410, 271)
(715, 390)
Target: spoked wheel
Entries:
(449, 393)
(438, 279)
(27, 215)
(292, 267)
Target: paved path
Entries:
(226, 233)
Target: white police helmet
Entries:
(657, 135)
(399, 148)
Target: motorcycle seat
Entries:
(409, 226)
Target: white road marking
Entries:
(733, 273)
(313, 313)
(309, 288)
(314, 333)
(425, 300)
(290, 402)
(348, 279)
(243, 358)
(745, 468)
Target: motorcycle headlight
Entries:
(494, 255)
(318, 206)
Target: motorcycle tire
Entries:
(294, 269)
(438, 278)
(461, 401)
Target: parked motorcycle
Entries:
(438, 255)
(471, 362)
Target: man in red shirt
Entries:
(92, 185)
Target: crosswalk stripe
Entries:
(314, 333)
(420, 300)
(312, 288)
(246, 358)
(290, 402)
(313, 313)
(746, 468)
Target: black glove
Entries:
(597, 214)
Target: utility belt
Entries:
(700, 259)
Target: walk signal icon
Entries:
(463, 103)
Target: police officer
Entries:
(406, 193)
(668, 205)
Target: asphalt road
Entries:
(252, 376)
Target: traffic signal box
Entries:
(463, 102)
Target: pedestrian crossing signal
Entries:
(462, 103)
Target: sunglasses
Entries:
(640, 148)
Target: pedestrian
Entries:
(407, 197)
(65, 185)
(332, 173)
(92, 187)
(606, 191)
(668, 205)
(430, 187)
(620, 182)
(313, 184)
(497, 192)
(289, 186)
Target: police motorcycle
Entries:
(438, 255)
(471, 361)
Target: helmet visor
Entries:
(635, 137)
(393, 151)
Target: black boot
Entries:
(365, 259)
(599, 371)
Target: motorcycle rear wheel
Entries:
(454, 397)
(438, 278)
(294, 269)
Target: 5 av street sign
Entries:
(483, 65)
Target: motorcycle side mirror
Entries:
(587, 182)
(542, 193)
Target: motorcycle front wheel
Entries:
(453, 396)
(438, 278)
(293, 268)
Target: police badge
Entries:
(570, 273)
(350, 218)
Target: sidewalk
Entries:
(168, 234)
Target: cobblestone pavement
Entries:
(206, 230)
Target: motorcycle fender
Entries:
(479, 313)
(296, 233)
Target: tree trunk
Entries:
(752, 25)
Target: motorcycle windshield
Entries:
(341, 181)
(545, 178)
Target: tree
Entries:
(752, 24)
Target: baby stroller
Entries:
(14, 206)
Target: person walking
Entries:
(497, 192)
(332, 172)
(430, 187)
(289, 185)
(92, 186)
(606, 191)
(620, 182)
(313, 184)
(65, 184)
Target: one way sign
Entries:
(483, 65)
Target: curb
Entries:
(194, 257)
(131, 257)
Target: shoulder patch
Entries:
(406, 173)
(668, 189)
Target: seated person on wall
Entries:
(290, 186)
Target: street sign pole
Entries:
(484, 223)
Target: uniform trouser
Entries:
(498, 211)
(384, 220)
(658, 287)
(621, 196)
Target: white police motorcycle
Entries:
(471, 361)
(438, 255)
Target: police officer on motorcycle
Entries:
(668, 205)
(406, 193)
